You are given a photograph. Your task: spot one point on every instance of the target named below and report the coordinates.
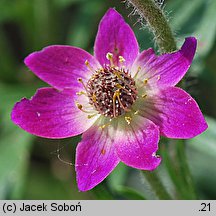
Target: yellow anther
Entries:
(158, 77)
(116, 94)
(121, 59)
(109, 56)
(119, 86)
(86, 62)
(81, 93)
(94, 98)
(138, 70)
(103, 151)
(91, 116)
(117, 74)
(144, 95)
(104, 126)
(136, 112)
(81, 81)
(128, 119)
(145, 81)
(79, 106)
(88, 66)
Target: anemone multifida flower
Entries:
(121, 100)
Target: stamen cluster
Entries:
(112, 91)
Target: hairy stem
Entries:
(157, 23)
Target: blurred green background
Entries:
(36, 168)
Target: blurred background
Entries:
(36, 168)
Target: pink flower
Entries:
(120, 99)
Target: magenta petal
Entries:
(137, 144)
(95, 158)
(165, 70)
(115, 36)
(60, 66)
(51, 114)
(176, 113)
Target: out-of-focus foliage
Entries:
(36, 168)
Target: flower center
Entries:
(112, 91)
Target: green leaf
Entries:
(184, 12)
(66, 3)
(118, 177)
(206, 142)
(15, 145)
(202, 159)
(197, 18)
(80, 33)
(9, 10)
(102, 192)
(14, 155)
(7, 60)
(206, 30)
(42, 184)
(129, 193)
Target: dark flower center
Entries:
(111, 91)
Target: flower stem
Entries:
(157, 23)
(157, 185)
(184, 170)
(179, 171)
(171, 168)
(174, 158)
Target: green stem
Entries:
(184, 170)
(178, 169)
(157, 185)
(164, 38)
(172, 170)
(157, 23)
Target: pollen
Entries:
(91, 116)
(94, 98)
(121, 59)
(89, 66)
(103, 151)
(145, 81)
(79, 106)
(144, 95)
(104, 126)
(81, 93)
(136, 112)
(128, 119)
(109, 57)
(112, 91)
